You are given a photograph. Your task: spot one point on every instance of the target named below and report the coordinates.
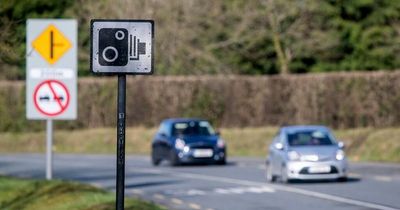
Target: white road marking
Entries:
(221, 191)
(383, 178)
(176, 201)
(194, 206)
(137, 191)
(273, 188)
(159, 196)
(232, 190)
(219, 179)
(256, 190)
(241, 190)
(195, 192)
(237, 190)
(335, 198)
(262, 189)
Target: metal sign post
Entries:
(51, 74)
(120, 47)
(49, 152)
(121, 141)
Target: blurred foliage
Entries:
(205, 104)
(29, 194)
(13, 16)
(229, 36)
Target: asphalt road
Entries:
(239, 185)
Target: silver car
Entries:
(304, 153)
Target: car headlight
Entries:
(340, 155)
(293, 155)
(220, 143)
(179, 144)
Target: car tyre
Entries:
(269, 175)
(174, 159)
(284, 177)
(221, 162)
(154, 160)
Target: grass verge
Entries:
(25, 194)
(362, 144)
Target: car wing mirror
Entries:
(278, 146)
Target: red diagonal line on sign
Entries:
(55, 95)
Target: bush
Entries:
(340, 100)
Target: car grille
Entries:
(200, 146)
(324, 158)
(310, 158)
(305, 171)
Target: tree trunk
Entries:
(282, 60)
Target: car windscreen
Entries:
(192, 128)
(309, 138)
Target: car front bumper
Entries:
(218, 155)
(301, 169)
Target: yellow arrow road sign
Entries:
(51, 44)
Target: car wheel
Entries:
(284, 177)
(222, 162)
(154, 160)
(269, 174)
(174, 159)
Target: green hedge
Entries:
(340, 100)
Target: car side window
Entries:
(163, 129)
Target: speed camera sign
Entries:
(122, 46)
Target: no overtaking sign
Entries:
(51, 97)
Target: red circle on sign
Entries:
(55, 96)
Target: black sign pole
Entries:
(121, 142)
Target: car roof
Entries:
(176, 120)
(297, 128)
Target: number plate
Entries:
(319, 169)
(201, 153)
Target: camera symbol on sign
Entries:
(117, 47)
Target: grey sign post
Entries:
(51, 74)
(120, 47)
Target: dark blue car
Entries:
(187, 140)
